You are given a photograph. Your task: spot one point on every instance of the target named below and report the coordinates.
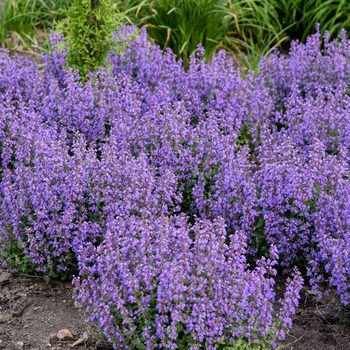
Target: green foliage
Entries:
(133, 11)
(184, 340)
(241, 27)
(243, 344)
(258, 239)
(301, 16)
(249, 29)
(16, 258)
(332, 15)
(88, 31)
(52, 273)
(187, 198)
(245, 137)
(290, 15)
(142, 320)
(52, 11)
(17, 17)
(183, 25)
(259, 32)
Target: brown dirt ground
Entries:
(317, 325)
(33, 311)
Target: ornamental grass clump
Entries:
(243, 28)
(158, 281)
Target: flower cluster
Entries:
(160, 282)
(310, 93)
(330, 262)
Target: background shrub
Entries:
(88, 33)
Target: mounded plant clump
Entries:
(173, 196)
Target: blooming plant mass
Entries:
(172, 197)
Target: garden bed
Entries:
(175, 196)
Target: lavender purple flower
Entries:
(162, 282)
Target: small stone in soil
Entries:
(19, 345)
(4, 278)
(64, 334)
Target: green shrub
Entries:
(88, 32)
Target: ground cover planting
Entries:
(173, 197)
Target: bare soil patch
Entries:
(317, 325)
(33, 311)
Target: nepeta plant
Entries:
(286, 199)
(330, 262)
(316, 64)
(160, 282)
(19, 77)
(43, 200)
(129, 177)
